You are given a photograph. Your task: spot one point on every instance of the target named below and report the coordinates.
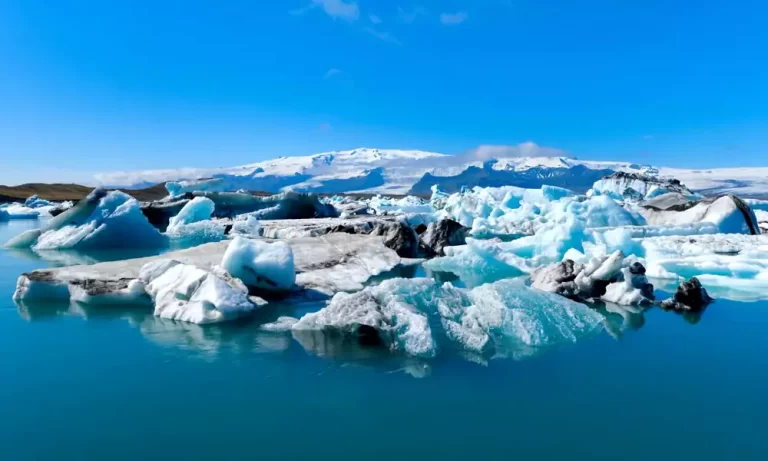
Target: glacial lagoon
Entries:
(115, 382)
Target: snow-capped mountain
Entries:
(401, 171)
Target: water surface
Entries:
(118, 383)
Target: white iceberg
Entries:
(262, 265)
(17, 211)
(190, 294)
(101, 220)
(412, 315)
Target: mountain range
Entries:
(396, 171)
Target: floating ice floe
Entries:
(323, 266)
(727, 264)
(413, 316)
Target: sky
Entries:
(95, 86)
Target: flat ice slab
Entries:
(324, 266)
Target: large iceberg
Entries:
(727, 214)
(414, 316)
(101, 220)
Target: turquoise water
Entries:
(117, 383)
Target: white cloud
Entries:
(375, 19)
(348, 11)
(409, 17)
(385, 36)
(331, 73)
(452, 19)
(340, 9)
(525, 149)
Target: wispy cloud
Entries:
(331, 73)
(408, 17)
(381, 35)
(375, 19)
(452, 19)
(525, 149)
(337, 9)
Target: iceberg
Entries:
(382, 315)
(611, 278)
(35, 201)
(193, 223)
(413, 316)
(635, 186)
(190, 294)
(727, 214)
(731, 261)
(101, 220)
(17, 211)
(261, 265)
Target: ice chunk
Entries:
(412, 315)
(193, 223)
(730, 262)
(633, 186)
(531, 317)
(492, 260)
(134, 293)
(17, 211)
(190, 294)
(555, 193)
(246, 225)
(197, 209)
(267, 266)
(282, 324)
(627, 292)
(35, 201)
(612, 278)
(30, 289)
(382, 315)
(728, 214)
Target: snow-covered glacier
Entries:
(394, 171)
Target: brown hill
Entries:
(61, 192)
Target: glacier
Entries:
(393, 171)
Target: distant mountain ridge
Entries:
(395, 171)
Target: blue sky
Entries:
(89, 86)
